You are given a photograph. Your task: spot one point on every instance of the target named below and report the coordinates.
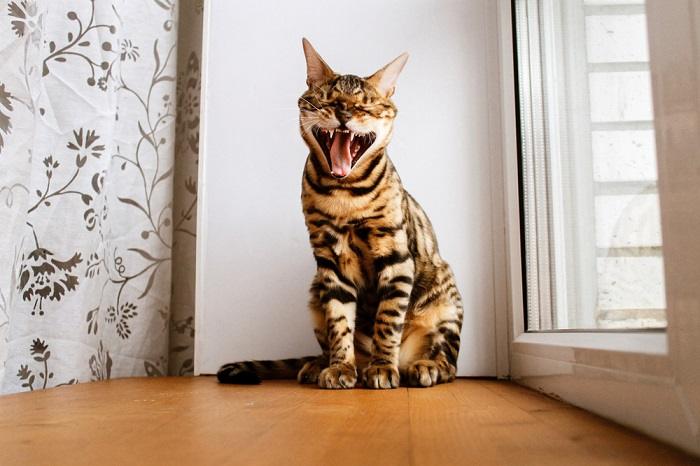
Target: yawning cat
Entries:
(383, 300)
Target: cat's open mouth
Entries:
(342, 148)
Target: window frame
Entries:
(643, 379)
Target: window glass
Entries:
(593, 248)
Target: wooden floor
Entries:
(177, 421)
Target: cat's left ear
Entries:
(317, 70)
(385, 79)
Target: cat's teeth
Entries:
(331, 131)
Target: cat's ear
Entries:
(385, 79)
(317, 70)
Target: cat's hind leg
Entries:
(312, 369)
(430, 348)
(310, 372)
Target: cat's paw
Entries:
(342, 375)
(423, 373)
(381, 376)
(310, 372)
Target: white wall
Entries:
(254, 260)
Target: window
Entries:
(591, 186)
(590, 205)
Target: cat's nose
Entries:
(343, 116)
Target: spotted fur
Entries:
(383, 300)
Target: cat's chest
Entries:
(354, 255)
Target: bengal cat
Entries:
(382, 300)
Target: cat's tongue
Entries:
(341, 156)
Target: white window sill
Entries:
(622, 352)
(648, 342)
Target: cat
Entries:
(383, 301)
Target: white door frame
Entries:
(646, 380)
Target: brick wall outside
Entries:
(628, 234)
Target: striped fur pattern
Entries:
(385, 306)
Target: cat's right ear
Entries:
(317, 70)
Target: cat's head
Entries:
(344, 118)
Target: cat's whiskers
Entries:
(317, 88)
(318, 109)
(310, 124)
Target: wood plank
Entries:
(341, 428)
(158, 421)
(465, 422)
(606, 442)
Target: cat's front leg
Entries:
(395, 279)
(338, 299)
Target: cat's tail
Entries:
(252, 372)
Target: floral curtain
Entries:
(99, 124)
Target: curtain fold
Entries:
(98, 151)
